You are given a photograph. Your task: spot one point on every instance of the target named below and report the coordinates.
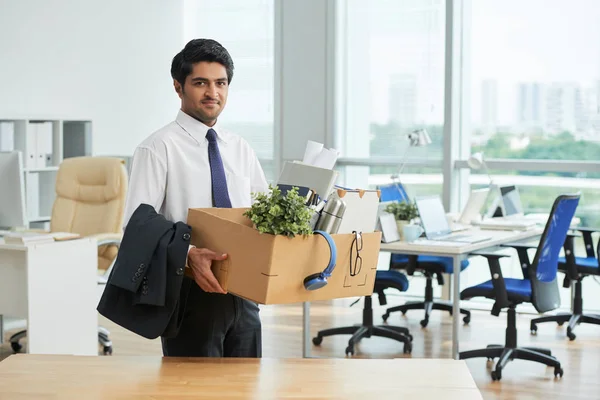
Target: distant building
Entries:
(489, 107)
(403, 99)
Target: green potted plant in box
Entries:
(277, 214)
(404, 213)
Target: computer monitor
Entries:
(510, 201)
(12, 191)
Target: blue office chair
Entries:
(575, 269)
(383, 280)
(429, 266)
(539, 287)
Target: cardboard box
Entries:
(270, 269)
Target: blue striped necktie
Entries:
(220, 194)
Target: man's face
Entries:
(205, 93)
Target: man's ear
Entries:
(178, 87)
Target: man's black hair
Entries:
(198, 50)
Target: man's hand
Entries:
(200, 261)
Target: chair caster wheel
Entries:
(350, 351)
(570, 334)
(16, 346)
(107, 351)
(407, 348)
(410, 337)
(403, 312)
(467, 319)
(558, 371)
(560, 323)
(496, 375)
(317, 340)
(385, 317)
(424, 322)
(533, 328)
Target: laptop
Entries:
(435, 224)
(510, 202)
(472, 210)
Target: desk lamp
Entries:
(477, 162)
(417, 138)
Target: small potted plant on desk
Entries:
(404, 213)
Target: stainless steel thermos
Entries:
(331, 216)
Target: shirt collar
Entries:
(197, 129)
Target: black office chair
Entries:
(539, 287)
(383, 280)
(575, 269)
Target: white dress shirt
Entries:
(170, 170)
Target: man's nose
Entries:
(211, 91)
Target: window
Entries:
(391, 82)
(536, 79)
(246, 29)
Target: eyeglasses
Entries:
(357, 244)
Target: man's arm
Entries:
(147, 182)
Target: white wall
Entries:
(106, 60)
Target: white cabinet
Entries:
(44, 143)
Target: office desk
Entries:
(25, 376)
(54, 287)
(458, 252)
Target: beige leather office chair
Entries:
(90, 201)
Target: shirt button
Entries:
(180, 271)
(186, 236)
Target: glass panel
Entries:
(536, 79)
(392, 77)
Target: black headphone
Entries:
(319, 280)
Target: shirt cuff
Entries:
(188, 253)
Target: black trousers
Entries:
(215, 325)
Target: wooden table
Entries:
(25, 376)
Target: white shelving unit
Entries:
(44, 143)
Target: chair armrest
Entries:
(523, 255)
(497, 280)
(107, 238)
(519, 245)
(587, 240)
(103, 240)
(488, 254)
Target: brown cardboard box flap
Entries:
(270, 269)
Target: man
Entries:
(194, 163)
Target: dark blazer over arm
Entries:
(143, 291)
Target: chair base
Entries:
(366, 330)
(506, 354)
(572, 319)
(428, 306)
(509, 351)
(575, 318)
(103, 339)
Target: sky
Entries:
(542, 41)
